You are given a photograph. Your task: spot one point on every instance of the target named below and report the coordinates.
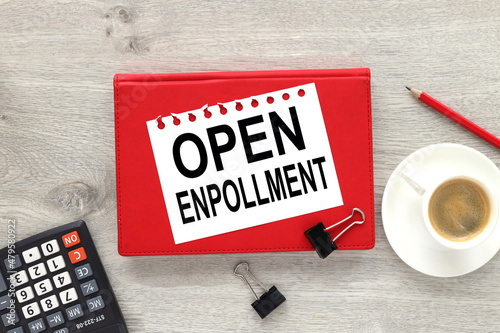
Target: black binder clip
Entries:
(269, 301)
(321, 239)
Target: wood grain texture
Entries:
(57, 163)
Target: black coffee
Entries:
(459, 210)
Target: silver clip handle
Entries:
(347, 218)
(241, 276)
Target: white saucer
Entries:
(403, 222)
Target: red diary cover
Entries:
(242, 161)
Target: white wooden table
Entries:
(57, 162)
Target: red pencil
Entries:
(462, 121)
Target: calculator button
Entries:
(49, 303)
(13, 263)
(95, 303)
(31, 255)
(19, 279)
(89, 287)
(83, 271)
(43, 287)
(62, 279)
(55, 319)
(3, 284)
(56, 263)
(68, 296)
(50, 248)
(10, 319)
(37, 271)
(37, 326)
(71, 239)
(16, 330)
(31, 310)
(77, 255)
(4, 302)
(61, 330)
(24, 294)
(74, 312)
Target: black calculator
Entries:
(55, 282)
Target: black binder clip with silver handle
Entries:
(269, 301)
(321, 239)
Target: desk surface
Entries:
(57, 161)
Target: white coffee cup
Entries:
(425, 183)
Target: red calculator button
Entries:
(71, 239)
(77, 255)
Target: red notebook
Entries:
(242, 161)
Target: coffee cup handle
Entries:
(415, 178)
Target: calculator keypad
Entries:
(37, 326)
(31, 255)
(71, 239)
(68, 296)
(4, 302)
(49, 303)
(55, 319)
(74, 312)
(89, 288)
(19, 279)
(83, 271)
(77, 255)
(43, 287)
(3, 283)
(54, 284)
(95, 303)
(16, 330)
(37, 271)
(31, 310)
(13, 263)
(61, 280)
(6, 319)
(50, 248)
(56, 263)
(25, 294)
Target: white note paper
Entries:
(253, 161)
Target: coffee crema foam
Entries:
(459, 210)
